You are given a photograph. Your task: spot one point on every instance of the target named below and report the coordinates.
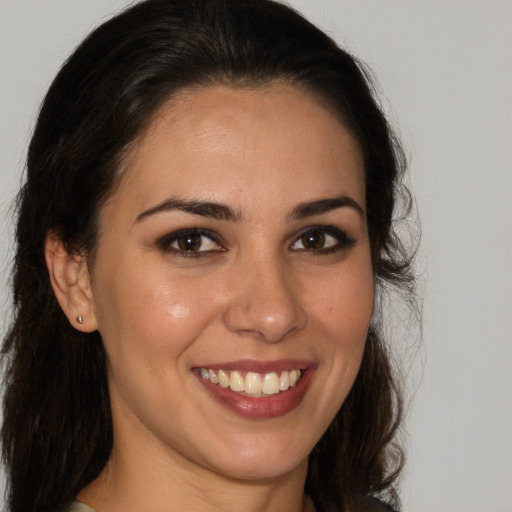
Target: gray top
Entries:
(366, 505)
(78, 506)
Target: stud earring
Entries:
(79, 320)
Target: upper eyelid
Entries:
(326, 228)
(343, 237)
(169, 238)
(215, 236)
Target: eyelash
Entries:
(341, 238)
(165, 243)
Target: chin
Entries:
(258, 463)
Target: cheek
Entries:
(345, 304)
(149, 316)
(343, 312)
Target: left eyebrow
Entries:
(203, 208)
(319, 206)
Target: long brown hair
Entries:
(57, 431)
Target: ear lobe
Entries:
(70, 280)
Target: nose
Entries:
(265, 303)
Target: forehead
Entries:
(217, 140)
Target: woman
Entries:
(206, 221)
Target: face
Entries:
(232, 284)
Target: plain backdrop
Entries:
(445, 72)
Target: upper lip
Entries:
(257, 366)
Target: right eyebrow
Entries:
(208, 209)
(320, 206)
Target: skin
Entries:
(257, 294)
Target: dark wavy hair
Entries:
(57, 431)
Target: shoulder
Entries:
(77, 506)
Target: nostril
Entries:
(258, 322)
(266, 304)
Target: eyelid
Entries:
(345, 241)
(165, 242)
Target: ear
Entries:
(70, 280)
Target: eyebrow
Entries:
(320, 206)
(219, 211)
(203, 208)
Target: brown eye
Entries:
(313, 240)
(189, 243)
(322, 240)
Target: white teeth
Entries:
(223, 379)
(270, 384)
(254, 384)
(236, 382)
(284, 381)
(212, 376)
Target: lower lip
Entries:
(270, 406)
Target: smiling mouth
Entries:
(253, 384)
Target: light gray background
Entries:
(445, 68)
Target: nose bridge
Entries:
(265, 302)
